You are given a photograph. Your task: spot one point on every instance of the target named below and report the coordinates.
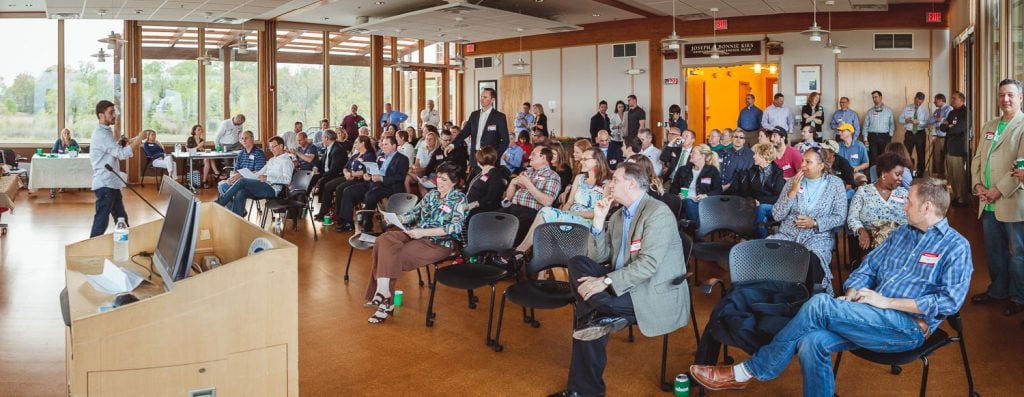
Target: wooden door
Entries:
(695, 105)
(513, 90)
(897, 80)
(769, 90)
(744, 90)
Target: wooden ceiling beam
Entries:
(177, 36)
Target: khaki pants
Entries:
(957, 174)
(939, 156)
(394, 252)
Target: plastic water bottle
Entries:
(121, 241)
(177, 148)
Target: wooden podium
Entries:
(233, 328)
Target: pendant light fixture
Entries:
(714, 52)
(521, 63)
(814, 32)
(836, 47)
(673, 42)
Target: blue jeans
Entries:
(763, 212)
(234, 197)
(826, 325)
(1005, 269)
(108, 203)
(692, 210)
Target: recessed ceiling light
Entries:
(380, 3)
(595, 15)
(538, 1)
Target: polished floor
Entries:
(341, 355)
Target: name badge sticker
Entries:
(613, 161)
(786, 167)
(439, 157)
(252, 157)
(492, 127)
(705, 181)
(854, 156)
(598, 189)
(485, 178)
(446, 208)
(897, 199)
(634, 247)
(929, 258)
(989, 135)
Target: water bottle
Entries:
(177, 148)
(278, 224)
(121, 241)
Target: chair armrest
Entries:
(682, 278)
(709, 286)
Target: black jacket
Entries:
(842, 169)
(337, 161)
(436, 158)
(542, 121)
(614, 154)
(748, 183)
(750, 316)
(956, 134)
(495, 133)
(487, 189)
(394, 176)
(597, 123)
(709, 181)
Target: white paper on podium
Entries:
(392, 219)
(114, 279)
(371, 168)
(247, 173)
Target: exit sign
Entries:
(933, 17)
(470, 48)
(721, 24)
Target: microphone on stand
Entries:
(118, 174)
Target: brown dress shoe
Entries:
(716, 377)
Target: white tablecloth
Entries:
(60, 172)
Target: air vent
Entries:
(694, 17)
(624, 50)
(870, 7)
(483, 63)
(227, 20)
(894, 41)
(459, 9)
(560, 29)
(64, 15)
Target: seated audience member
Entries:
(435, 224)
(727, 135)
(697, 182)
(585, 192)
(580, 147)
(813, 203)
(414, 137)
(714, 140)
(763, 183)
(893, 301)
(349, 173)
(612, 150)
(197, 140)
(524, 142)
(625, 278)
(532, 189)
(852, 150)
(404, 147)
(249, 157)
(560, 162)
(513, 157)
(539, 136)
(330, 163)
(789, 158)
(657, 188)
(677, 152)
(155, 152)
(272, 177)
(809, 138)
(648, 149)
(64, 142)
(736, 158)
(424, 167)
(901, 150)
(422, 152)
(458, 156)
(305, 152)
(630, 146)
(486, 186)
(393, 167)
(840, 167)
(877, 208)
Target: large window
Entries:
(349, 75)
(232, 69)
(300, 79)
(28, 81)
(170, 81)
(86, 79)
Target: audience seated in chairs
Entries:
(656, 186)
(841, 168)
(156, 155)
(305, 152)
(65, 142)
(892, 302)
(586, 191)
(700, 180)
(578, 148)
(276, 174)
(808, 139)
(640, 285)
(877, 209)
(393, 166)
(197, 141)
(458, 155)
(736, 158)
(512, 159)
(425, 162)
(901, 150)
(435, 225)
(561, 163)
(250, 157)
(612, 150)
(486, 186)
(812, 205)
(762, 183)
(333, 165)
(534, 188)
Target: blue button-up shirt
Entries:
(393, 117)
(750, 119)
(932, 267)
(527, 120)
(384, 164)
(856, 153)
(937, 115)
(105, 150)
(846, 116)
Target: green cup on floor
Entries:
(398, 298)
(327, 220)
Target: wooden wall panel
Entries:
(897, 80)
(515, 89)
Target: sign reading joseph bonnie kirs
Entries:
(733, 48)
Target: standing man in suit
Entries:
(600, 121)
(997, 185)
(644, 282)
(330, 164)
(485, 127)
(393, 165)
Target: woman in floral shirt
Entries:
(433, 226)
(877, 204)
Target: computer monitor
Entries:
(177, 243)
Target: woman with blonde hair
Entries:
(702, 180)
(64, 143)
(762, 183)
(540, 119)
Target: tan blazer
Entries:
(653, 260)
(1010, 147)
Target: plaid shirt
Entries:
(932, 267)
(545, 179)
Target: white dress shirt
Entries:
(482, 124)
(431, 117)
(278, 171)
(228, 133)
(104, 150)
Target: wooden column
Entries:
(201, 95)
(61, 83)
(421, 84)
(460, 89)
(326, 40)
(132, 91)
(227, 83)
(376, 81)
(396, 77)
(655, 111)
(267, 80)
(444, 106)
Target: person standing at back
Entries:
(230, 132)
(879, 125)
(956, 125)
(485, 127)
(105, 150)
(938, 133)
(749, 121)
(600, 121)
(915, 118)
(845, 115)
(636, 117)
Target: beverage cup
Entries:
(398, 298)
(1020, 164)
(684, 192)
(327, 220)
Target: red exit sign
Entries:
(470, 48)
(933, 17)
(721, 24)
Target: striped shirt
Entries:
(933, 267)
(253, 160)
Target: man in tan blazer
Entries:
(1001, 196)
(643, 282)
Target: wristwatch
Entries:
(607, 281)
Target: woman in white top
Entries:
(617, 121)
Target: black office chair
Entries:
(667, 384)
(747, 262)
(554, 245)
(730, 214)
(398, 203)
(149, 167)
(937, 340)
(294, 198)
(488, 232)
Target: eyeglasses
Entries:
(739, 137)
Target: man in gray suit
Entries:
(644, 281)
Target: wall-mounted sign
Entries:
(470, 48)
(933, 17)
(721, 24)
(671, 81)
(733, 49)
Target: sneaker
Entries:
(599, 327)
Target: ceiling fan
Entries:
(242, 46)
(814, 32)
(836, 47)
(673, 42)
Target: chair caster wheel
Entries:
(535, 324)
(630, 338)
(421, 283)
(729, 360)
(490, 342)
(346, 279)
(472, 305)
(498, 348)
(667, 387)
(430, 322)
(896, 370)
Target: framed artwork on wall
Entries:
(807, 78)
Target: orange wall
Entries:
(722, 100)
